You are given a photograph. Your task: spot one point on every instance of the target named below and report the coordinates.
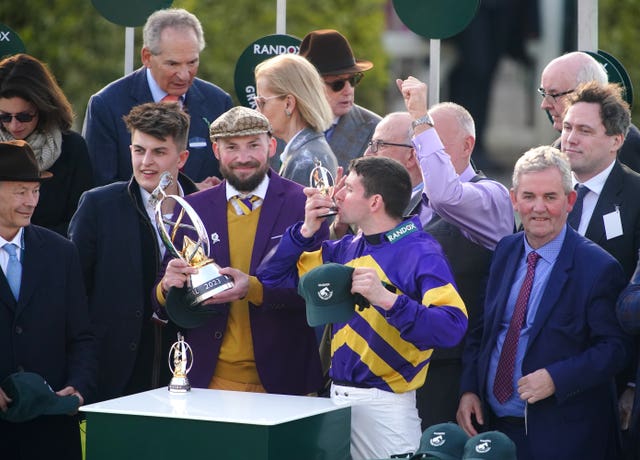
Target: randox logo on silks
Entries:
(258, 51)
(401, 231)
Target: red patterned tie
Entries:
(503, 384)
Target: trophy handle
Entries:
(198, 226)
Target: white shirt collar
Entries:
(17, 240)
(260, 190)
(156, 92)
(596, 183)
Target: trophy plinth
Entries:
(180, 365)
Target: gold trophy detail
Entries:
(321, 179)
(208, 281)
(180, 362)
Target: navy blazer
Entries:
(107, 229)
(285, 347)
(47, 330)
(108, 139)
(575, 336)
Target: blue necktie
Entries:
(14, 269)
(576, 213)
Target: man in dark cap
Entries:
(256, 338)
(329, 51)
(44, 319)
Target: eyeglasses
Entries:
(376, 145)
(22, 117)
(261, 100)
(353, 80)
(553, 96)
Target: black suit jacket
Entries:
(47, 330)
(621, 190)
(108, 229)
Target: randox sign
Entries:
(258, 51)
(616, 73)
(10, 42)
(129, 13)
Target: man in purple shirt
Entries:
(465, 211)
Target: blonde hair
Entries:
(292, 74)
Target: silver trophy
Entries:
(321, 179)
(180, 362)
(208, 281)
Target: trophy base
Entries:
(179, 385)
(329, 213)
(207, 283)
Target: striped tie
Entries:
(245, 205)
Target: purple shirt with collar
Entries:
(482, 210)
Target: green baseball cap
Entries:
(492, 445)
(184, 314)
(327, 292)
(32, 397)
(444, 441)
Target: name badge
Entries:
(613, 224)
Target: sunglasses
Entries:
(22, 117)
(337, 85)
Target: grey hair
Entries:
(591, 70)
(176, 18)
(462, 116)
(542, 158)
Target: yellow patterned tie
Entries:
(244, 206)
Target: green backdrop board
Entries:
(616, 73)
(258, 51)
(129, 13)
(10, 42)
(436, 19)
(211, 424)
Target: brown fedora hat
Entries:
(329, 51)
(18, 163)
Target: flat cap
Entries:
(239, 121)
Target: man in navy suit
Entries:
(540, 365)
(121, 251)
(44, 320)
(173, 40)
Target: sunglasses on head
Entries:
(22, 117)
(337, 85)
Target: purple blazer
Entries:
(285, 347)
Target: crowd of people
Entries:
(525, 336)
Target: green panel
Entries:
(436, 18)
(113, 436)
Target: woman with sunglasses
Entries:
(290, 94)
(34, 108)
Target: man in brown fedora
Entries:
(329, 51)
(44, 319)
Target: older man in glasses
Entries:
(561, 77)
(352, 128)
(461, 208)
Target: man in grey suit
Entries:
(329, 51)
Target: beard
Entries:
(247, 184)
